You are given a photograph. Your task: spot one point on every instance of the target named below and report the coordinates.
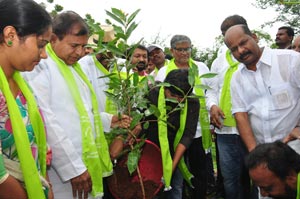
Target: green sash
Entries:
(28, 165)
(203, 113)
(164, 143)
(182, 166)
(94, 150)
(110, 107)
(163, 140)
(225, 101)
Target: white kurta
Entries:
(62, 123)
(202, 69)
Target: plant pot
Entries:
(124, 186)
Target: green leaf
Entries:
(136, 118)
(119, 13)
(135, 79)
(130, 29)
(208, 75)
(172, 100)
(165, 84)
(191, 79)
(116, 18)
(139, 145)
(151, 79)
(203, 87)
(133, 15)
(146, 125)
(133, 159)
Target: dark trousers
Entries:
(196, 161)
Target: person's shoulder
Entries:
(41, 67)
(161, 74)
(280, 51)
(202, 67)
(86, 61)
(86, 58)
(164, 68)
(283, 54)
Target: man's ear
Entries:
(291, 180)
(172, 51)
(54, 38)
(254, 36)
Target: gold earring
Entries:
(9, 43)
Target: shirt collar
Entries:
(265, 58)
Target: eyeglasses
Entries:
(183, 50)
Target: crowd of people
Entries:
(55, 111)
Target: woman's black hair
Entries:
(178, 79)
(26, 16)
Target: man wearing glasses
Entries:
(181, 48)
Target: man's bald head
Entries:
(243, 45)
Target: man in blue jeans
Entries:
(230, 146)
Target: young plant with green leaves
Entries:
(127, 90)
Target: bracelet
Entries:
(119, 138)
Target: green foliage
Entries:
(57, 8)
(134, 156)
(287, 13)
(126, 89)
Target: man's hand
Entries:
(134, 132)
(295, 134)
(81, 185)
(216, 115)
(122, 122)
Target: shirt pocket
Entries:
(281, 97)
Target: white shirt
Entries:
(62, 123)
(270, 95)
(220, 66)
(202, 69)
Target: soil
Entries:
(124, 186)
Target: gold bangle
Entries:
(119, 138)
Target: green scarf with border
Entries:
(225, 101)
(203, 113)
(28, 165)
(94, 150)
(110, 107)
(163, 140)
(164, 143)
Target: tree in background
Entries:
(56, 9)
(288, 13)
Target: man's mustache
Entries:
(242, 56)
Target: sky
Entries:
(200, 20)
